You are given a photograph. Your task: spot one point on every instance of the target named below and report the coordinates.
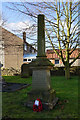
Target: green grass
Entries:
(66, 91)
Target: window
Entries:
(56, 61)
(25, 60)
(25, 47)
(33, 59)
(32, 50)
(29, 59)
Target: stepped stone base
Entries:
(41, 88)
(47, 98)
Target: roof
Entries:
(4, 31)
(30, 55)
(52, 54)
(30, 45)
(10, 38)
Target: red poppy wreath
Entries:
(37, 106)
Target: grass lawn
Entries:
(66, 91)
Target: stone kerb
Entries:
(0, 71)
(0, 92)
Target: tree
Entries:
(3, 20)
(61, 26)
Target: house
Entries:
(29, 53)
(54, 58)
(11, 49)
(27, 58)
(28, 49)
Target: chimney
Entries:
(24, 37)
(24, 42)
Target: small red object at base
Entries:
(37, 105)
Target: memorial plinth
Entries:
(41, 83)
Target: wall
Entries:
(76, 63)
(1, 49)
(0, 72)
(52, 56)
(13, 50)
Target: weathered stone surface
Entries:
(41, 61)
(25, 70)
(10, 71)
(11, 87)
(47, 98)
(0, 71)
(41, 83)
(12, 50)
(41, 79)
(0, 79)
(41, 36)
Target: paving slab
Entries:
(11, 87)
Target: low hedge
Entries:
(60, 71)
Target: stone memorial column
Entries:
(41, 83)
(41, 36)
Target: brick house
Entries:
(53, 57)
